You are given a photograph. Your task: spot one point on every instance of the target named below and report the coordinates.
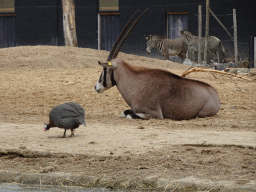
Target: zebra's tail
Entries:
(223, 48)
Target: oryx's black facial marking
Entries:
(106, 80)
(100, 79)
(105, 77)
(113, 79)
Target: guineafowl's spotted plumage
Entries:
(67, 116)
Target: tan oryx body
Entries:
(155, 93)
(167, 47)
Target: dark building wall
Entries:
(39, 22)
(87, 23)
(36, 22)
(155, 21)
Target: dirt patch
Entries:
(214, 153)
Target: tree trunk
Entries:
(69, 24)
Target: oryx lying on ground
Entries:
(166, 46)
(155, 93)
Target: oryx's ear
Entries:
(109, 64)
(103, 63)
(112, 64)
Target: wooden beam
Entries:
(109, 13)
(199, 33)
(69, 24)
(221, 23)
(254, 65)
(177, 13)
(235, 36)
(7, 15)
(206, 30)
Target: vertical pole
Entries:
(99, 32)
(254, 64)
(235, 36)
(206, 30)
(69, 25)
(199, 33)
(251, 51)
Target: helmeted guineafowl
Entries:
(66, 116)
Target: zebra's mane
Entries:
(188, 33)
(160, 36)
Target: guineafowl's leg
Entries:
(72, 133)
(64, 135)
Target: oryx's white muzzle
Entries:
(99, 87)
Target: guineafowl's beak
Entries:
(84, 124)
(45, 127)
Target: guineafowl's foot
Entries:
(72, 133)
(64, 135)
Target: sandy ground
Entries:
(214, 153)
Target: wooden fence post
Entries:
(206, 30)
(254, 64)
(199, 33)
(69, 24)
(235, 36)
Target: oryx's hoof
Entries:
(123, 114)
(133, 116)
(126, 112)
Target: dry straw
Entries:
(201, 69)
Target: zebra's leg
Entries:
(218, 56)
(165, 57)
(180, 55)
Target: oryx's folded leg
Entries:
(146, 114)
(129, 114)
(126, 112)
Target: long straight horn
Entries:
(127, 34)
(121, 36)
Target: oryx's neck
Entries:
(129, 80)
(126, 73)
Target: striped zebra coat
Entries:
(167, 46)
(213, 48)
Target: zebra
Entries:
(214, 44)
(167, 46)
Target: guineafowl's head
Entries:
(46, 127)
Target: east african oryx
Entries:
(167, 46)
(155, 93)
(214, 44)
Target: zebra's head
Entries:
(190, 37)
(152, 41)
(149, 44)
